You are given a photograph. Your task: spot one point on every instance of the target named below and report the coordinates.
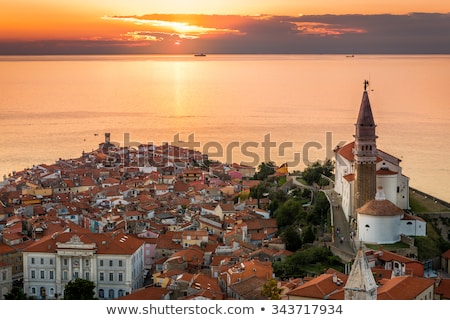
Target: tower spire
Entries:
(365, 153)
(360, 284)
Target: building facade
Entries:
(113, 262)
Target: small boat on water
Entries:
(200, 55)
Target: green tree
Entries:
(258, 191)
(318, 216)
(309, 260)
(292, 238)
(289, 212)
(265, 170)
(313, 173)
(79, 289)
(308, 235)
(270, 290)
(16, 293)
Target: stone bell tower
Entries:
(365, 153)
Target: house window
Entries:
(102, 276)
(120, 263)
(33, 290)
(110, 263)
(4, 276)
(87, 276)
(42, 260)
(120, 277)
(51, 261)
(65, 275)
(101, 293)
(111, 294)
(120, 293)
(65, 261)
(32, 260)
(51, 274)
(33, 274)
(111, 276)
(101, 263)
(42, 274)
(86, 263)
(75, 275)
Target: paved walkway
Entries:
(342, 238)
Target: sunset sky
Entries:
(224, 26)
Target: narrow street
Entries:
(343, 240)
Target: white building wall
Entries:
(403, 194)
(389, 184)
(5, 280)
(413, 228)
(378, 229)
(342, 168)
(347, 203)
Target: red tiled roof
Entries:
(390, 256)
(4, 248)
(350, 177)
(403, 288)
(380, 208)
(347, 152)
(106, 243)
(446, 254)
(147, 293)
(385, 172)
(318, 287)
(443, 288)
(407, 216)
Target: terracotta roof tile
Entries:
(380, 208)
(403, 288)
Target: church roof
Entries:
(380, 208)
(347, 152)
(385, 172)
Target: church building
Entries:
(362, 170)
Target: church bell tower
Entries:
(365, 153)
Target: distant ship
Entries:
(200, 55)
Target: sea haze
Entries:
(57, 106)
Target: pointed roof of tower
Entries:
(365, 124)
(365, 116)
(361, 277)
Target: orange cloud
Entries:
(155, 28)
(324, 29)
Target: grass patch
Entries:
(302, 181)
(389, 247)
(431, 246)
(420, 204)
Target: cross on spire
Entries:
(366, 83)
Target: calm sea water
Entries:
(251, 108)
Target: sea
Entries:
(248, 109)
